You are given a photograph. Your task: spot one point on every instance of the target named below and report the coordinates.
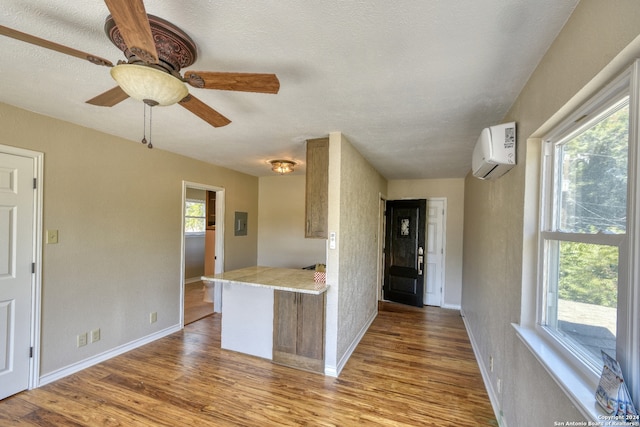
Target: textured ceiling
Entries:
(409, 83)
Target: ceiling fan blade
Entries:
(18, 35)
(109, 98)
(203, 111)
(244, 82)
(133, 23)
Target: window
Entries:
(587, 259)
(194, 216)
(582, 236)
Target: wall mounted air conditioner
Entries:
(495, 151)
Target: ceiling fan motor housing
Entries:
(175, 48)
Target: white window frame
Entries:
(577, 378)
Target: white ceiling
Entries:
(409, 83)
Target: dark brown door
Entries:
(404, 251)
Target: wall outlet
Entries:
(491, 363)
(499, 385)
(95, 335)
(82, 340)
(153, 317)
(52, 237)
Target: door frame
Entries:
(219, 242)
(381, 246)
(381, 242)
(36, 278)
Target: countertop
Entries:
(282, 279)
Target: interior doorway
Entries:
(202, 249)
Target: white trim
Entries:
(486, 377)
(334, 371)
(451, 307)
(382, 203)
(116, 351)
(631, 329)
(36, 281)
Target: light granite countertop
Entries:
(282, 279)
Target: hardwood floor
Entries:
(413, 367)
(195, 308)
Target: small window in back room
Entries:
(195, 216)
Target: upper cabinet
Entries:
(317, 188)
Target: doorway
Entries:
(435, 251)
(404, 251)
(20, 266)
(202, 249)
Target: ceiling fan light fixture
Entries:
(282, 166)
(150, 85)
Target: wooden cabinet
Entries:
(211, 210)
(298, 330)
(317, 188)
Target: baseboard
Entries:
(452, 306)
(486, 378)
(94, 360)
(331, 371)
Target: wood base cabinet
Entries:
(298, 330)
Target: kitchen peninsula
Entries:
(273, 313)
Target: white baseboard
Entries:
(486, 378)
(83, 364)
(335, 371)
(452, 307)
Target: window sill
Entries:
(579, 389)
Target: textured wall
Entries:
(495, 230)
(118, 208)
(360, 190)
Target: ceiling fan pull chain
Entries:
(150, 117)
(144, 123)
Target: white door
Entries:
(434, 268)
(16, 258)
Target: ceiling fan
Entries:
(156, 50)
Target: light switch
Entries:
(52, 237)
(332, 240)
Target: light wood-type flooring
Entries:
(195, 308)
(413, 367)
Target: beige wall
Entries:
(281, 222)
(117, 206)
(497, 226)
(453, 191)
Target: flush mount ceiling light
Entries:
(282, 166)
(150, 85)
